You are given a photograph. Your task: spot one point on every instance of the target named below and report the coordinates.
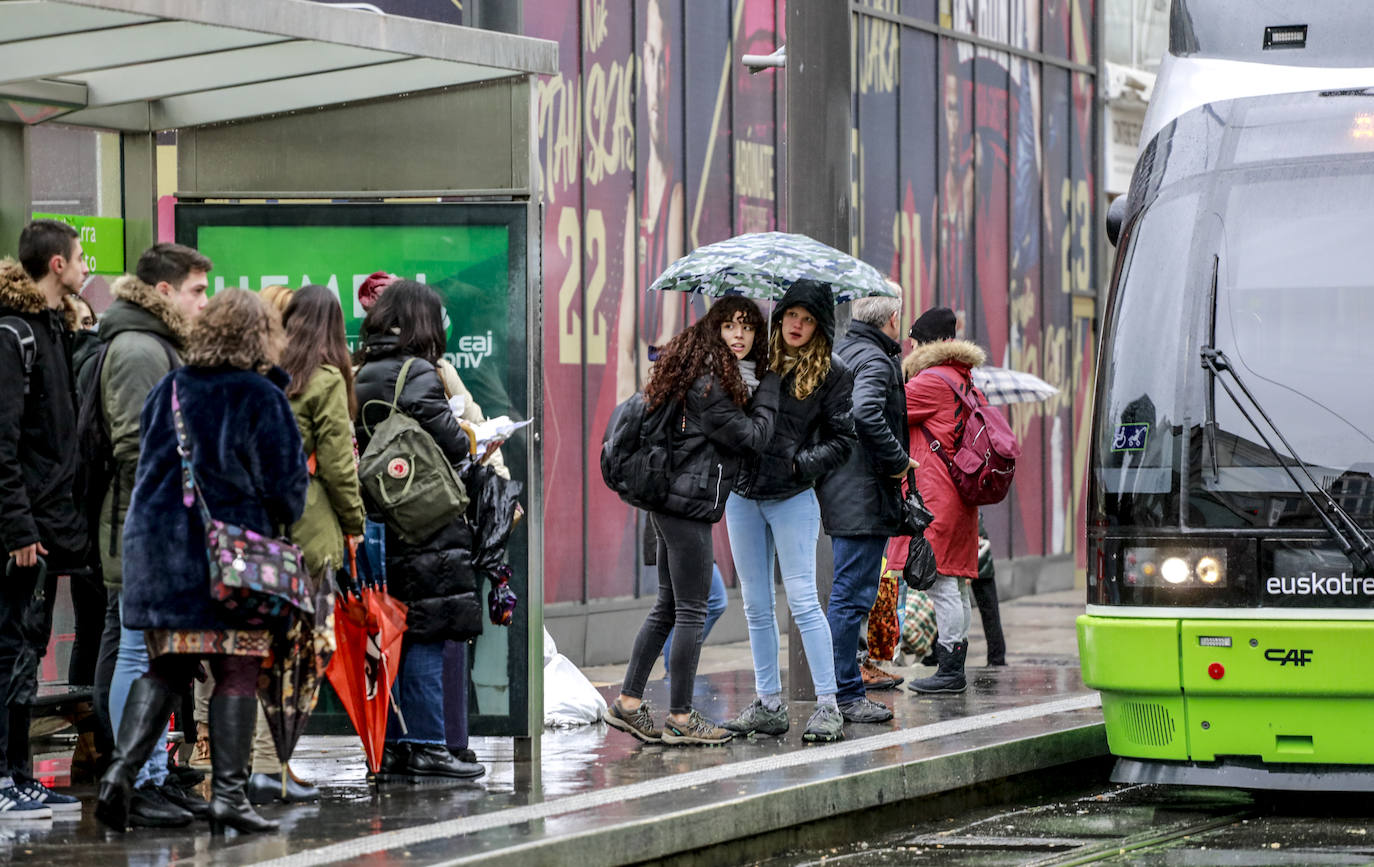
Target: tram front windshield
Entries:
(1293, 310)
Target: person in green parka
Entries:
(322, 397)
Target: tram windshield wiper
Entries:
(1354, 542)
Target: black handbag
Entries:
(919, 571)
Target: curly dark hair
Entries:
(699, 349)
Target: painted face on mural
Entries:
(951, 108)
(798, 326)
(655, 67)
(738, 335)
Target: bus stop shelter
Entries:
(375, 120)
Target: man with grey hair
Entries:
(861, 501)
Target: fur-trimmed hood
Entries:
(958, 352)
(132, 291)
(18, 291)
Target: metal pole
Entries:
(819, 127)
(15, 192)
(138, 174)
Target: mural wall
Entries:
(973, 187)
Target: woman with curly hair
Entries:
(246, 457)
(704, 377)
(774, 512)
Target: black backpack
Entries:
(637, 451)
(96, 470)
(28, 346)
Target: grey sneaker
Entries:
(825, 726)
(697, 730)
(865, 710)
(638, 722)
(757, 719)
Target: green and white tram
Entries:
(1230, 620)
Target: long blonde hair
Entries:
(809, 364)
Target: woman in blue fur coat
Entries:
(247, 458)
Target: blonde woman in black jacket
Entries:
(774, 513)
(698, 377)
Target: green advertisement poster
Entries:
(102, 240)
(473, 255)
(467, 265)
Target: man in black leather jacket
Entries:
(861, 502)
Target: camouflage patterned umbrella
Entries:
(763, 265)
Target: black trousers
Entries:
(104, 671)
(985, 596)
(88, 605)
(16, 638)
(684, 584)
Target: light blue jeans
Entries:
(787, 529)
(130, 665)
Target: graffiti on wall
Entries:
(973, 189)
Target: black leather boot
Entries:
(233, 719)
(145, 713)
(267, 788)
(949, 677)
(434, 760)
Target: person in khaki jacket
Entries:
(144, 332)
(322, 397)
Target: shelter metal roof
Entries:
(146, 65)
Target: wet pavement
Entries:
(599, 796)
(589, 780)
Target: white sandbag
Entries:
(569, 698)
(550, 649)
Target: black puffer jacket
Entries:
(708, 441)
(434, 578)
(813, 436)
(863, 496)
(38, 454)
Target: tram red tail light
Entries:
(1216, 671)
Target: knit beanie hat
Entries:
(937, 323)
(371, 288)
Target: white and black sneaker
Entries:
(14, 804)
(55, 801)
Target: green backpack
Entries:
(406, 476)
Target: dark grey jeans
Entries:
(684, 584)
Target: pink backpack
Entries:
(985, 451)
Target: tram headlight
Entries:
(1174, 570)
(1209, 570)
(1174, 567)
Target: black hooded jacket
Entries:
(708, 441)
(38, 453)
(863, 496)
(435, 578)
(811, 437)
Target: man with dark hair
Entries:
(41, 527)
(861, 501)
(143, 332)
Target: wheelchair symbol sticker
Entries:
(1131, 437)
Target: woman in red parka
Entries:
(937, 366)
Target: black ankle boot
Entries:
(233, 719)
(145, 713)
(434, 760)
(949, 677)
